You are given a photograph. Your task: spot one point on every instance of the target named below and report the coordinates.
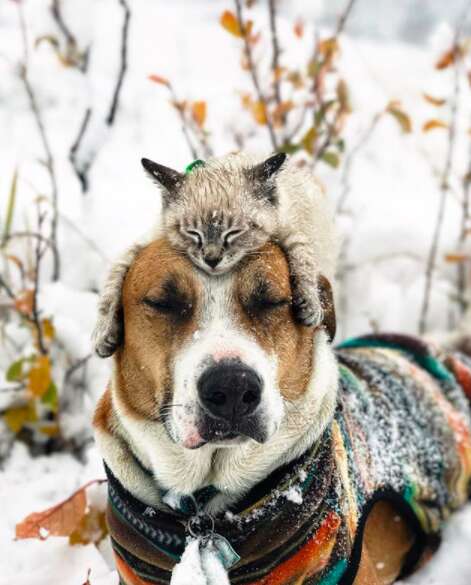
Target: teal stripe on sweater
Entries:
(432, 365)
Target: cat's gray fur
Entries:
(230, 207)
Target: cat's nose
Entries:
(212, 261)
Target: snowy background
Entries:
(389, 195)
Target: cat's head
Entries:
(220, 212)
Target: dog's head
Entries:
(214, 359)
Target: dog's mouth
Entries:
(220, 432)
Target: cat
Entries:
(230, 206)
(227, 208)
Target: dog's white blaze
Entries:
(219, 337)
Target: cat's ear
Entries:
(329, 321)
(269, 167)
(167, 178)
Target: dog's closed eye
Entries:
(263, 298)
(170, 301)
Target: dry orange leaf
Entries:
(198, 112)
(60, 520)
(404, 121)
(24, 302)
(449, 57)
(49, 429)
(433, 100)
(246, 100)
(259, 112)
(39, 376)
(92, 528)
(159, 79)
(433, 124)
(48, 329)
(229, 21)
(16, 418)
(296, 79)
(279, 113)
(298, 28)
(457, 258)
(309, 139)
(278, 72)
(328, 46)
(255, 38)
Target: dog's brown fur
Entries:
(151, 338)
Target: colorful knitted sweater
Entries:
(401, 433)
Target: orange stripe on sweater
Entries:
(127, 575)
(312, 557)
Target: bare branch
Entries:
(82, 167)
(445, 179)
(81, 170)
(57, 14)
(253, 72)
(50, 165)
(464, 229)
(342, 20)
(28, 234)
(80, 60)
(35, 316)
(183, 120)
(275, 65)
(124, 62)
(6, 288)
(76, 366)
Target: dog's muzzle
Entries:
(229, 393)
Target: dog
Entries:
(241, 447)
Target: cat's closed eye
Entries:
(231, 235)
(196, 236)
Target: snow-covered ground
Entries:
(392, 206)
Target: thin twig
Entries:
(349, 159)
(76, 366)
(275, 64)
(28, 234)
(344, 16)
(7, 288)
(332, 127)
(81, 167)
(254, 74)
(81, 170)
(181, 114)
(38, 254)
(50, 165)
(445, 180)
(57, 14)
(464, 232)
(123, 64)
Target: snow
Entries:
(391, 205)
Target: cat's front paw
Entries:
(307, 308)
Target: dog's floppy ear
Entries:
(167, 178)
(109, 328)
(326, 296)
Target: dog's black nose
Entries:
(230, 390)
(212, 261)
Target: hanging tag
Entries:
(225, 552)
(202, 563)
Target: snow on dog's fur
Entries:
(177, 322)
